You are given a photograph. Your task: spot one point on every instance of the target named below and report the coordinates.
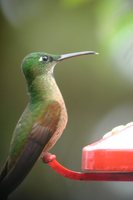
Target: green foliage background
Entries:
(97, 89)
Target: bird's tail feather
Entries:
(3, 195)
(9, 180)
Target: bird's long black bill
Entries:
(71, 55)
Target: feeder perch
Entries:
(109, 159)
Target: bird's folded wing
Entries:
(40, 134)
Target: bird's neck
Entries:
(44, 88)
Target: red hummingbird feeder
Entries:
(109, 159)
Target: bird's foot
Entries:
(48, 157)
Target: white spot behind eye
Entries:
(40, 59)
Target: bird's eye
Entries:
(44, 58)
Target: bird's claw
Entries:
(48, 157)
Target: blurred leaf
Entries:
(74, 3)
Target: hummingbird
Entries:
(42, 122)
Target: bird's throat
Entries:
(44, 88)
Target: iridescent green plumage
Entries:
(42, 122)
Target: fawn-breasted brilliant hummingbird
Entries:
(42, 122)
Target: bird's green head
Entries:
(39, 63)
